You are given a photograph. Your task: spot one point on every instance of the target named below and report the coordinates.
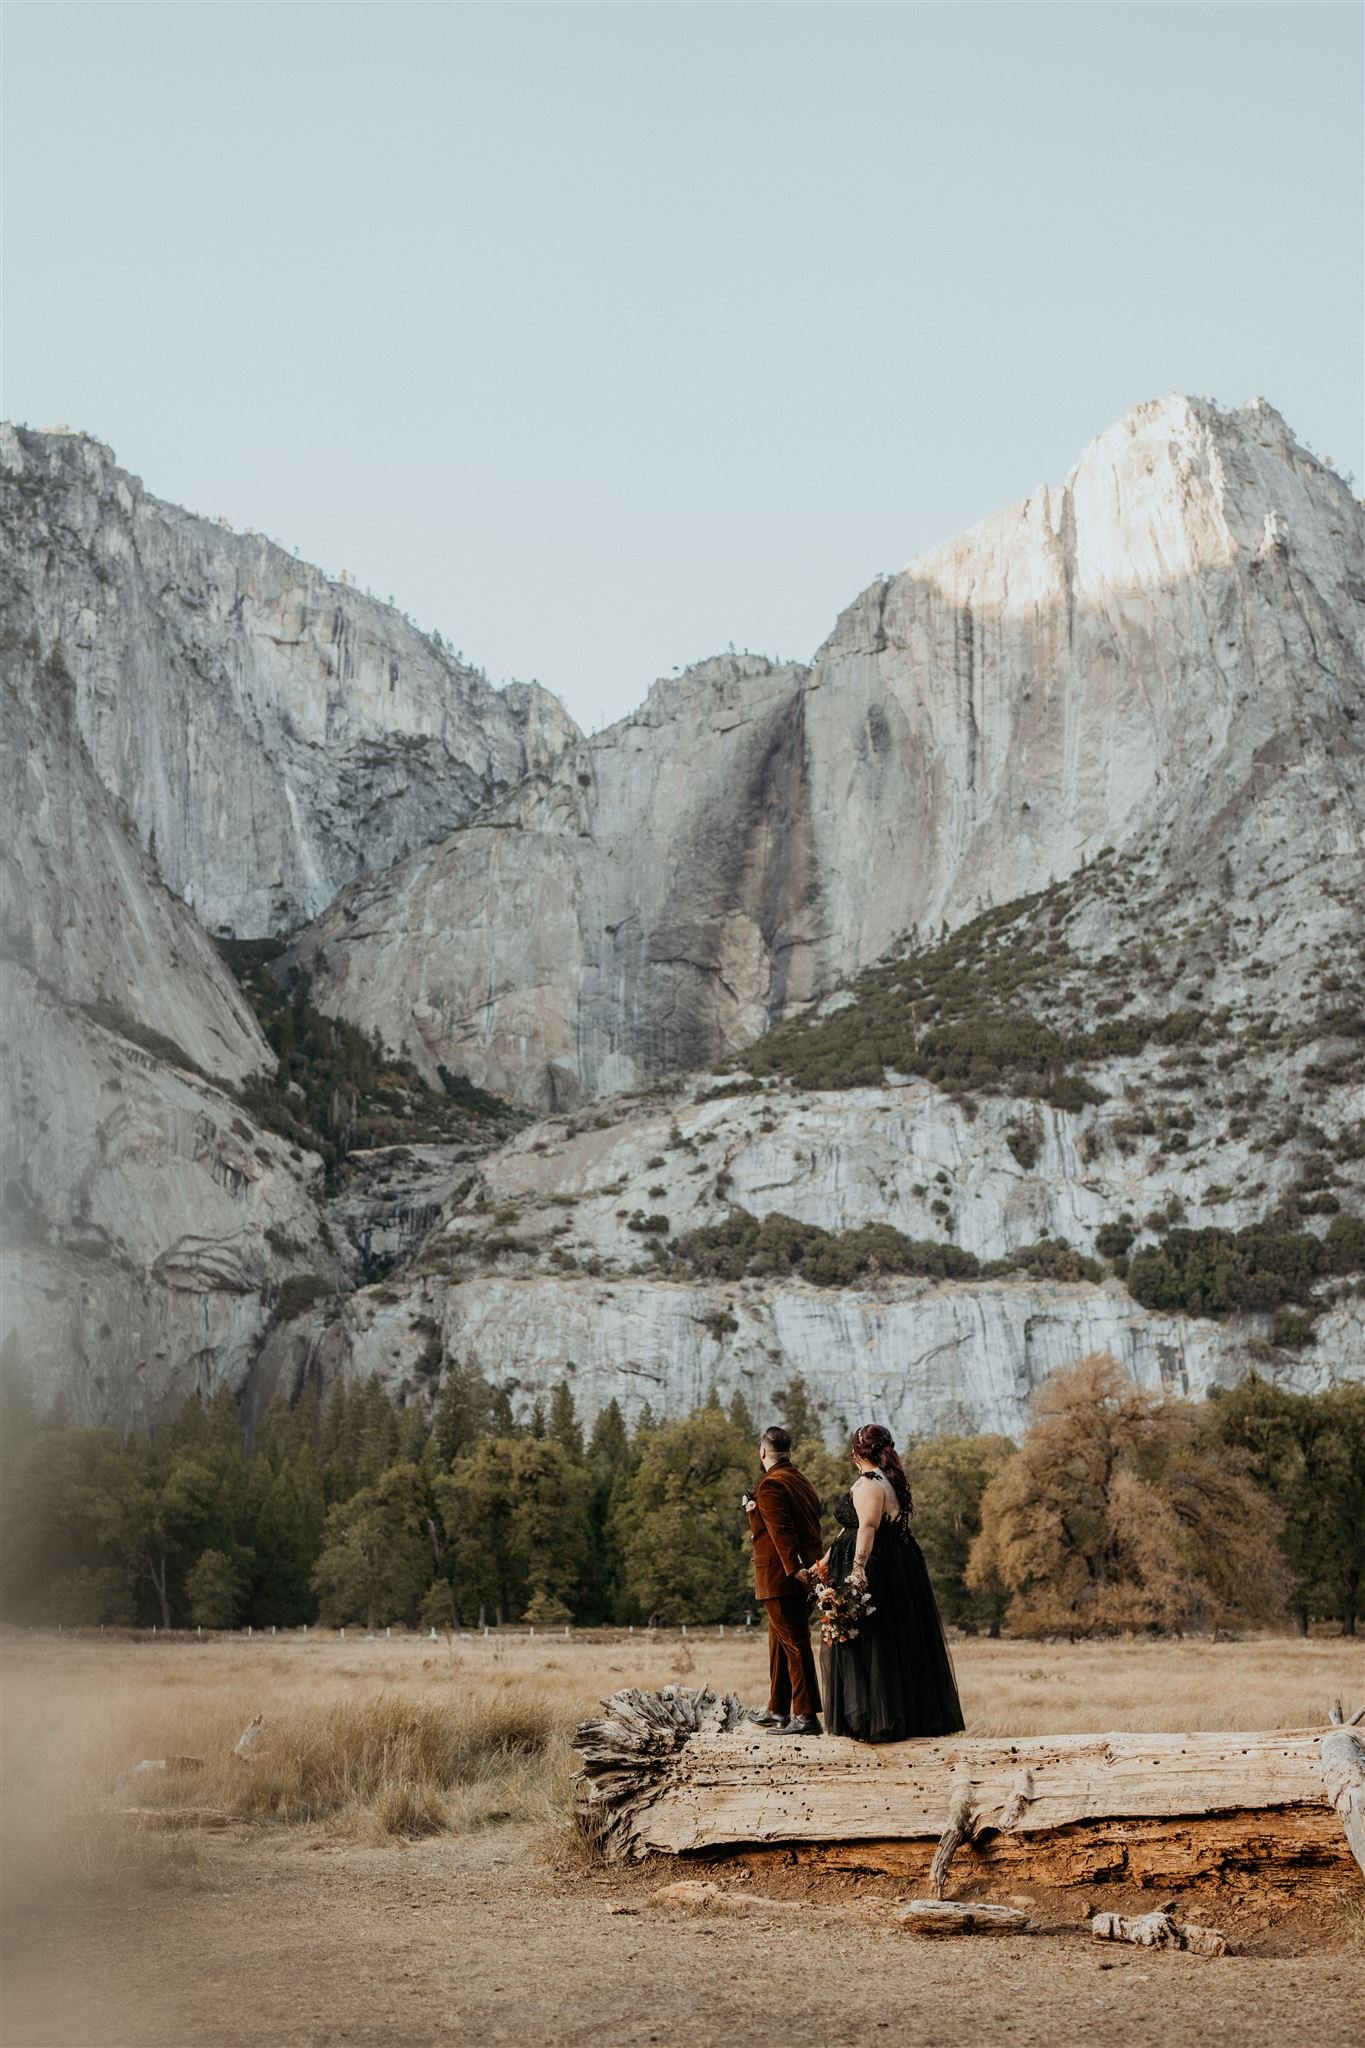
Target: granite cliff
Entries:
(271, 731)
(1133, 658)
(1023, 925)
(149, 1223)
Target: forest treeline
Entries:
(1117, 1511)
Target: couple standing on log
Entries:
(887, 1673)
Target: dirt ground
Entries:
(305, 1936)
(480, 1940)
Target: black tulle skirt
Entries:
(895, 1679)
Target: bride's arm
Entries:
(870, 1501)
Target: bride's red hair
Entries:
(878, 1446)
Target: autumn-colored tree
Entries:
(1120, 1512)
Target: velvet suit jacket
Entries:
(785, 1526)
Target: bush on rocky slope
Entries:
(781, 1247)
(336, 1090)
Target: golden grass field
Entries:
(389, 1764)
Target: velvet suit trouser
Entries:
(793, 1687)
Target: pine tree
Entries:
(378, 1447)
(411, 1437)
(740, 1417)
(274, 1435)
(800, 1415)
(611, 1462)
(517, 1510)
(609, 1448)
(287, 1540)
(564, 1427)
(462, 1410)
(18, 1408)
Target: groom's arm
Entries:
(775, 1509)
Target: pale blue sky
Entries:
(603, 336)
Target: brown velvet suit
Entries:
(785, 1526)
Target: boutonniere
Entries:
(748, 1501)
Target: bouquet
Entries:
(842, 1610)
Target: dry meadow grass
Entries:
(396, 1865)
(374, 1739)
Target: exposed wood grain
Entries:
(683, 1772)
(1159, 1930)
(955, 1834)
(1290, 1850)
(952, 1916)
(1343, 1778)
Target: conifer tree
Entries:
(741, 1418)
(462, 1410)
(609, 1447)
(564, 1427)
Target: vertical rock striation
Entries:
(271, 732)
(1136, 656)
(148, 1223)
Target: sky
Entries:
(605, 337)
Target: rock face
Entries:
(923, 1358)
(149, 1224)
(1141, 695)
(1131, 658)
(540, 1270)
(271, 732)
(619, 914)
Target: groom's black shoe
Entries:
(763, 1718)
(804, 1724)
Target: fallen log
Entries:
(951, 1916)
(181, 1819)
(684, 1772)
(1159, 1930)
(1343, 1774)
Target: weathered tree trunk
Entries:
(155, 1566)
(682, 1772)
(1343, 1774)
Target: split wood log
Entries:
(683, 1772)
(713, 1898)
(248, 1739)
(177, 1819)
(626, 1753)
(958, 1828)
(1343, 1778)
(955, 1916)
(1159, 1930)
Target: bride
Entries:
(894, 1678)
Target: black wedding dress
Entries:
(895, 1679)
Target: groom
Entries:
(784, 1522)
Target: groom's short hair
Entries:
(779, 1440)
